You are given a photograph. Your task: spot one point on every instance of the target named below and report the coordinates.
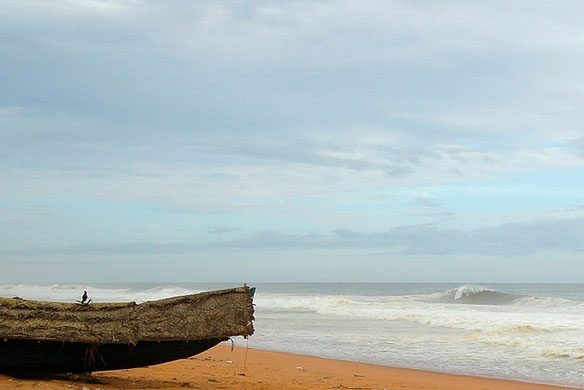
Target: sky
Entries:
(398, 141)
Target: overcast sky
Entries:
(291, 141)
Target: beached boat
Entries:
(46, 337)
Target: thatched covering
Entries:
(214, 314)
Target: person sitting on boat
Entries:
(84, 300)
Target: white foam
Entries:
(542, 328)
(71, 293)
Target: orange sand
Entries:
(221, 368)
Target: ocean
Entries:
(527, 332)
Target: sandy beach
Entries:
(224, 368)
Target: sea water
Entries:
(528, 332)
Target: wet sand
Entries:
(222, 368)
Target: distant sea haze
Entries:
(528, 332)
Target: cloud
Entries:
(222, 230)
(387, 87)
(518, 239)
(214, 66)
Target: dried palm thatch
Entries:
(208, 315)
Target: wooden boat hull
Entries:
(29, 358)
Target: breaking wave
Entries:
(486, 310)
(476, 295)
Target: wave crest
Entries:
(474, 295)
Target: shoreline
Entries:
(415, 370)
(250, 369)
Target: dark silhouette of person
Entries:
(84, 298)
